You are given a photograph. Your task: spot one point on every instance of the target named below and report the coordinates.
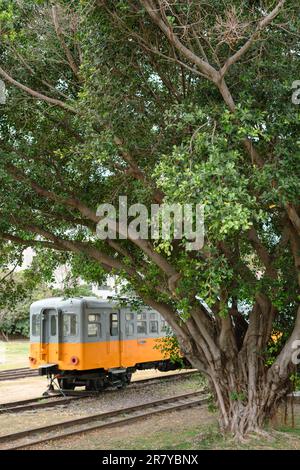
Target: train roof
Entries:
(54, 302)
(61, 302)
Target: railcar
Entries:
(94, 343)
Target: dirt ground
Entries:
(107, 401)
(32, 387)
(21, 389)
(135, 435)
(194, 428)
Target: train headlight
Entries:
(74, 360)
(32, 360)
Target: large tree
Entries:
(162, 101)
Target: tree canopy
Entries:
(178, 102)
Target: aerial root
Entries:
(256, 433)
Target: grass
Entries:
(14, 354)
(202, 436)
(186, 433)
(192, 429)
(210, 438)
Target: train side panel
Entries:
(98, 355)
(83, 335)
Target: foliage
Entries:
(169, 347)
(172, 104)
(295, 379)
(15, 322)
(14, 316)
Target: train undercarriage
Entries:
(97, 380)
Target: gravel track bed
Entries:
(13, 422)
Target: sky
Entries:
(27, 259)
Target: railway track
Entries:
(36, 403)
(149, 380)
(13, 374)
(36, 436)
(69, 396)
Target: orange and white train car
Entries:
(95, 343)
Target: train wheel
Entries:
(128, 377)
(124, 380)
(66, 384)
(94, 385)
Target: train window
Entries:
(129, 328)
(94, 325)
(141, 327)
(53, 325)
(152, 316)
(153, 326)
(93, 329)
(129, 316)
(94, 317)
(70, 324)
(141, 316)
(35, 325)
(114, 324)
(163, 325)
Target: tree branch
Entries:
(36, 94)
(60, 36)
(75, 203)
(262, 253)
(29, 243)
(294, 217)
(136, 171)
(204, 67)
(262, 24)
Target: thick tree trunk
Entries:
(247, 390)
(246, 403)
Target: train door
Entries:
(147, 333)
(95, 355)
(115, 338)
(50, 335)
(142, 336)
(129, 348)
